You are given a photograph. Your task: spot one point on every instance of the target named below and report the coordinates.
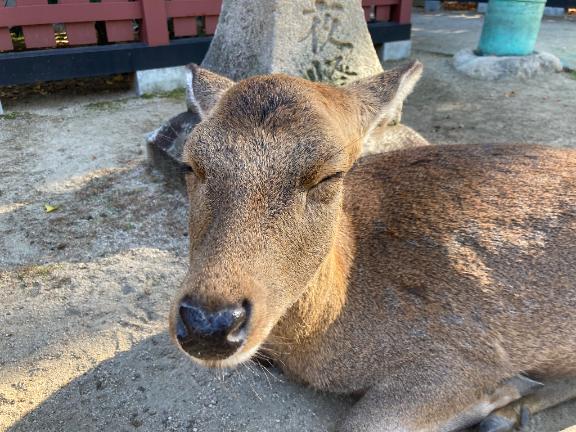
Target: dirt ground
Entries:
(86, 287)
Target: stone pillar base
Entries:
(432, 5)
(482, 7)
(554, 11)
(159, 80)
(397, 50)
(492, 68)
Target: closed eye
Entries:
(332, 177)
(191, 168)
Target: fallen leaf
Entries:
(50, 208)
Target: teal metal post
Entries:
(511, 27)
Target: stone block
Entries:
(160, 80)
(397, 50)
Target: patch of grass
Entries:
(14, 116)
(36, 271)
(572, 74)
(177, 94)
(112, 105)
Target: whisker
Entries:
(266, 371)
(267, 379)
(271, 350)
(274, 359)
(250, 383)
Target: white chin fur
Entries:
(230, 362)
(238, 358)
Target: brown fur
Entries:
(423, 278)
(392, 137)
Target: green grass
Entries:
(37, 271)
(14, 115)
(112, 105)
(176, 94)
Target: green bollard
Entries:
(511, 27)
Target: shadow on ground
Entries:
(153, 387)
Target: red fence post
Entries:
(210, 23)
(119, 31)
(37, 36)
(402, 12)
(80, 33)
(383, 13)
(5, 37)
(185, 26)
(155, 22)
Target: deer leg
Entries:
(374, 412)
(509, 391)
(552, 393)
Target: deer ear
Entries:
(379, 98)
(204, 89)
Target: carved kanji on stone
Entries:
(324, 26)
(322, 40)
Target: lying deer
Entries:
(430, 282)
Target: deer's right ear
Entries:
(204, 89)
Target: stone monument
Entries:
(321, 40)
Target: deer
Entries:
(435, 284)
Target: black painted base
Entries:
(26, 67)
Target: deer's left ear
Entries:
(204, 89)
(378, 98)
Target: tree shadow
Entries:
(111, 210)
(154, 387)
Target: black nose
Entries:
(211, 335)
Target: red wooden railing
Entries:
(38, 19)
(398, 11)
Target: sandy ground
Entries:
(86, 288)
